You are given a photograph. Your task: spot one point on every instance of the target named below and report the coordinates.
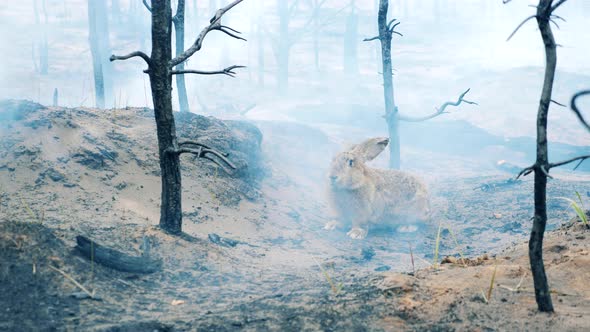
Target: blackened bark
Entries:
(161, 86)
(179, 35)
(542, 293)
(160, 70)
(115, 259)
(391, 112)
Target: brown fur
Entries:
(361, 195)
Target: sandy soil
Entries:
(65, 172)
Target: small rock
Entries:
(449, 260)
(368, 253)
(383, 268)
(121, 186)
(84, 296)
(222, 241)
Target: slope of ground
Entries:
(66, 172)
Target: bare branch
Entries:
(439, 111)
(394, 26)
(526, 171)
(520, 26)
(140, 54)
(201, 152)
(580, 159)
(557, 103)
(222, 29)
(556, 5)
(214, 24)
(576, 110)
(226, 71)
(372, 38)
(147, 6)
(198, 144)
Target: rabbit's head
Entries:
(348, 170)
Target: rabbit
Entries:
(363, 196)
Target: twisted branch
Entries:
(440, 110)
(576, 110)
(214, 24)
(205, 152)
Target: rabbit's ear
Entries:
(371, 148)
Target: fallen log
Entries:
(115, 259)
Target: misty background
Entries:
(447, 47)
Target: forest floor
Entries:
(69, 172)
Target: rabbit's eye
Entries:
(350, 162)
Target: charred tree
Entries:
(283, 46)
(350, 42)
(40, 49)
(544, 16)
(98, 36)
(161, 68)
(178, 21)
(116, 11)
(284, 40)
(392, 116)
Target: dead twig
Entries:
(440, 110)
(67, 276)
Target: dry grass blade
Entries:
(27, 208)
(517, 288)
(67, 276)
(577, 208)
(412, 258)
(491, 289)
(437, 246)
(335, 289)
(463, 260)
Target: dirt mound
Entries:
(107, 160)
(454, 297)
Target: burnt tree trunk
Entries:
(116, 11)
(161, 67)
(350, 42)
(96, 52)
(178, 20)
(98, 34)
(161, 87)
(541, 168)
(391, 112)
(283, 47)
